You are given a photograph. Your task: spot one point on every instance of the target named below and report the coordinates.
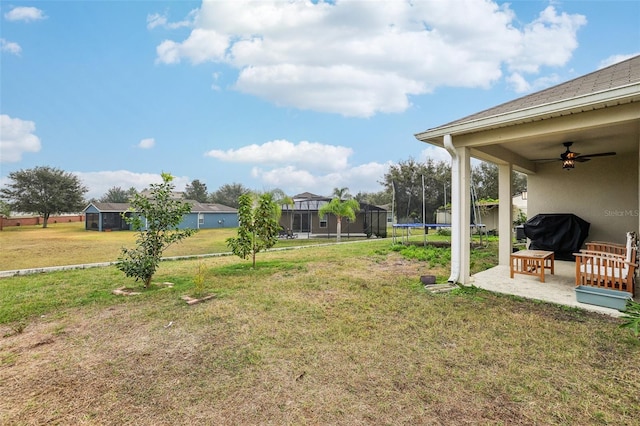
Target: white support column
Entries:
(464, 202)
(460, 211)
(505, 214)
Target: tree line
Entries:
(49, 191)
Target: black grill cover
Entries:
(563, 233)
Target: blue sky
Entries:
(297, 95)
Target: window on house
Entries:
(323, 221)
(200, 219)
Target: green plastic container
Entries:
(604, 297)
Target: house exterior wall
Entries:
(210, 221)
(607, 196)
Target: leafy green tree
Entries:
(115, 195)
(485, 179)
(156, 218)
(379, 198)
(340, 208)
(229, 194)
(196, 191)
(258, 229)
(406, 178)
(45, 191)
(5, 209)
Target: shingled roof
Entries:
(614, 76)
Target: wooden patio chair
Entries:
(608, 265)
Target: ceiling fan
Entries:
(569, 158)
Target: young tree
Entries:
(340, 208)
(156, 219)
(196, 191)
(44, 190)
(258, 229)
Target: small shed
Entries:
(106, 217)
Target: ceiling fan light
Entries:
(568, 164)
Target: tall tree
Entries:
(115, 195)
(342, 193)
(485, 179)
(258, 229)
(379, 198)
(340, 209)
(405, 179)
(229, 194)
(196, 191)
(45, 191)
(156, 218)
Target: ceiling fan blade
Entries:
(601, 154)
(546, 160)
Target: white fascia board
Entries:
(623, 94)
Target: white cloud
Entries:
(362, 58)
(147, 143)
(614, 59)
(161, 20)
(16, 137)
(215, 77)
(9, 46)
(26, 14)
(282, 152)
(547, 41)
(292, 180)
(305, 166)
(99, 183)
(518, 83)
(435, 153)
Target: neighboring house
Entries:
(598, 112)
(302, 217)
(489, 211)
(108, 216)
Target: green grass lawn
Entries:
(336, 334)
(70, 244)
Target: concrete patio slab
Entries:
(558, 288)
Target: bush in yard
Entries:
(258, 228)
(632, 317)
(156, 219)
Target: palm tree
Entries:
(340, 208)
(342, 193)
(282, 199)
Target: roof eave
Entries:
(616, 96)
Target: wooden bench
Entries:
(608, 265)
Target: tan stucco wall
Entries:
(603, 191)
